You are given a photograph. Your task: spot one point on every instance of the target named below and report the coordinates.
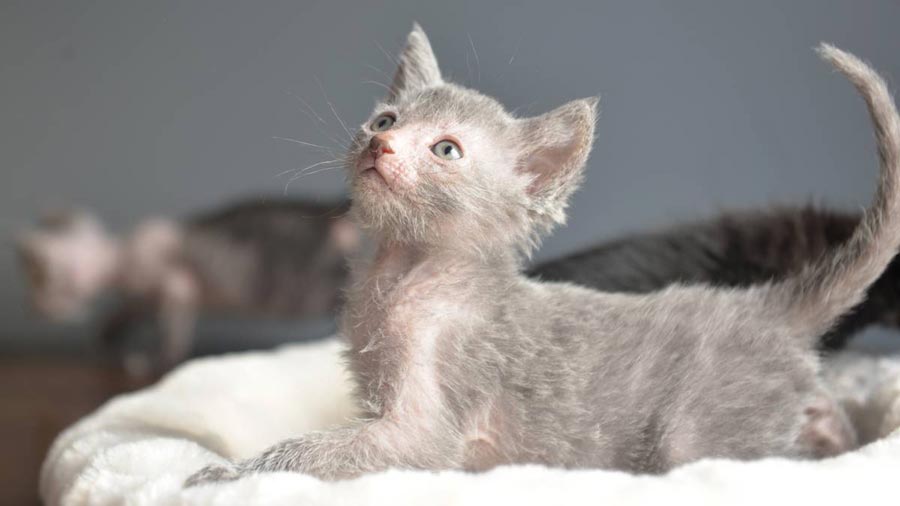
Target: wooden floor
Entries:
(39, 397)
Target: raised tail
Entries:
(819, 295)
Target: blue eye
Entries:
(448, 150)
(383, 122)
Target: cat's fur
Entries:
(270, 258)
(736, 249)
(463, 363)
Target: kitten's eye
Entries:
(448, 150)
(383, 122)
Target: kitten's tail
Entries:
(820, 294)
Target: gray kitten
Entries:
(464, 363)
(735, 249)
(269, 258)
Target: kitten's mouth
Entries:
(371, 168)
(371, 171)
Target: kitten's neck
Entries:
(393, 259)
(403, 283)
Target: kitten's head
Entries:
(66, 260)
(439, 164)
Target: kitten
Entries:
(735, 249)
(278, 258)
(463, 363)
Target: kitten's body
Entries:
(537, 384)
(465, 364)
(260, 258)
(736, 249)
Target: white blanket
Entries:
(139, 448)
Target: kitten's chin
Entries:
(379, 209)
(370, 186)
(372, 173)
(370, 178)
(370, 191)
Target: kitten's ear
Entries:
(555, 147)
(86, 222)
(418, 67)
(71, 221)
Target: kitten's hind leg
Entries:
(827, 430)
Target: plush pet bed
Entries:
(139, 448)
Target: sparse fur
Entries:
(463, 363)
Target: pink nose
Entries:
(380, 145)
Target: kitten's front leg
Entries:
(178, 303)
(348, 452)
(120, 323)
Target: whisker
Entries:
(515, 52)
(285, 172)
(340, 143)
(388, 88)
(331, 106)
(298, 176)
(477, 62)
(302, 143)
(311, 110)
(390, 57)
(376, 69)
(326, 169)
(312, 114)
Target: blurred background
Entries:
(166, 108)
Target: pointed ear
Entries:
(418, 67)
(555, 148)
(85, 220)
(71, 220)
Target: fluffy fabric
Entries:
(139, 448)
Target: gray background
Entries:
(165, 107)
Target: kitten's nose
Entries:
(380, 145)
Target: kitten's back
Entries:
(736, 249)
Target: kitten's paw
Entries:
(887, 399)
(213, 474)
(827, 431)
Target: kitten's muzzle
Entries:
(380, 145)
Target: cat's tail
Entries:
(824, 291)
